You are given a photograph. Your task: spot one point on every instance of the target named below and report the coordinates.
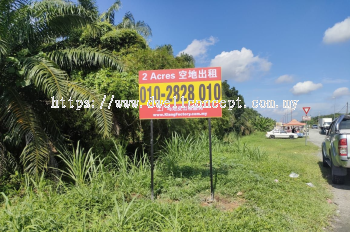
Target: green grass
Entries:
(115, 195)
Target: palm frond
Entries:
(3, 48)
(12, 5)
(8, 163)
(56, 18)
(143, 28)
(140, 26)
(42, 22)
(110, 13)
(93, 30)
(129, 18)
(3, 160)
(17, 115)
(102, 116)
(46, 75)
(128, 21)
(84, 57)
(51, 127)
(88, 4)
(11, 14)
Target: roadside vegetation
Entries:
(253, 190)
(65, 169)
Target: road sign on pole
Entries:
(306, 118)
(306, 110)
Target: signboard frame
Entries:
(180, 93)
(165, 85)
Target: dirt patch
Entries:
(223, 203)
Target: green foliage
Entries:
(119, 199)
(140, 26)
(263, 123)
(91, 34)
(108, 16)
(29, 77)
(122, 39)
(81, 166)
(121, 86)
(179, 149)
(149, 59)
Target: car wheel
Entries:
(272, 136)
(291, 136)
(337, 179)
(324, 163)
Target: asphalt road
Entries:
(341, 223)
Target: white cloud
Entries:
(284, 79)
(305, 87)
(281, 111)
(340, 32)
(198, 48)
(344, 91)
(334, 81)
(239, 65)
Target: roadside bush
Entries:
(123, 39)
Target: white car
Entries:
(281, 134)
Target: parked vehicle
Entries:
(300, 135)
(314, 126)
(335, 150)
(280, 134)
(323, 124)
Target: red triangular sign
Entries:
(306, 110)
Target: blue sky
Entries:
(268, 50)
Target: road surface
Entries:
(341, 223)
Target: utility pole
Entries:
(347, 104)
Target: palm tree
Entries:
(29, 77)
(263, 123)
(140, 26)
(110, 13)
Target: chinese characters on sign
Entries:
(173, 93)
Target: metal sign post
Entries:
(152, 190)
(306, 134)
(306, 118)
(159, 98)
(210, 162)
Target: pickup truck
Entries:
(335, 150)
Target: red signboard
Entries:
(306, 110)
(180, 93)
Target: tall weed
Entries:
(81, 166)
(245, 150)
(180, 149)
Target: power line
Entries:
(341, 109)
